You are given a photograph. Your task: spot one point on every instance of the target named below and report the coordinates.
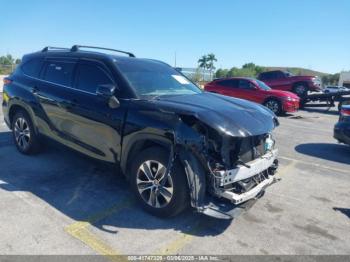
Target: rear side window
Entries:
(59, 72)
(265, 76)
(90, 77)
(32, 67)
(228, 83)
(278, 75)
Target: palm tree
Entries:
(203, 63)
(211, 59)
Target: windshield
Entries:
(152, 78)
(262, 85)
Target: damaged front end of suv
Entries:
(229, 160)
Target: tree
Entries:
(220, 73)
(330, 79)
(211, 60)
(6, 60)
(203, 63)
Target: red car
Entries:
(283, 80)
(254, 90)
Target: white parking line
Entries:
(315, 165)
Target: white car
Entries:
(335, 89)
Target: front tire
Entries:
(160, 195)
(274, 105)
(24, 135)
(300, 90)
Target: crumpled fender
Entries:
(189, 146)
(195, 176)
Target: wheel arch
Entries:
(139, 144)
(16, 107)
(272, 98)
(304, 83)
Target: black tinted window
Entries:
(59, 73)
(33, 67)
(244, 84)
(228, 83)
(265, 76)
(278, 74)
(90, 77)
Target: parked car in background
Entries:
(283, 80)
(177, 145)
(335, 89)
(342, 128)
(254, 90)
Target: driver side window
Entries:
(89, 77)
(244, 84)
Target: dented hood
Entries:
(232, 116)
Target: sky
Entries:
(313, 34)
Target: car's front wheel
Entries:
(274, 105)
(24, 136)
(161, 193)
(300, 90)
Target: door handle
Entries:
(34, 90)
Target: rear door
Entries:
(50, 92)
(228, 87)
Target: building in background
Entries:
(344, 79)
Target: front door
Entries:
(95, 127)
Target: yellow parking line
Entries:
(91, 240)
(181, 241)
(80, 231)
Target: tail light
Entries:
(345, 112)
(7, 81)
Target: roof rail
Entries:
(75, 48)
(48, 48)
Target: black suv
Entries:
(177, 145)
(342, 128)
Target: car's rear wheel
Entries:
(274, 105)
(161, 193)
(24, 135)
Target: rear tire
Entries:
(274, 105)
(24, 135)
(158, 195)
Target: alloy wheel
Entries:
(154, 184)
(273, 106)
(22, 133)
(300, 90)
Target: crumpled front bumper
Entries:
(251, 169)
(231, 204)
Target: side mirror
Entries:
(107, 92)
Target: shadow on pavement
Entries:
(82, 188)
(345, 211)
(332, 152)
